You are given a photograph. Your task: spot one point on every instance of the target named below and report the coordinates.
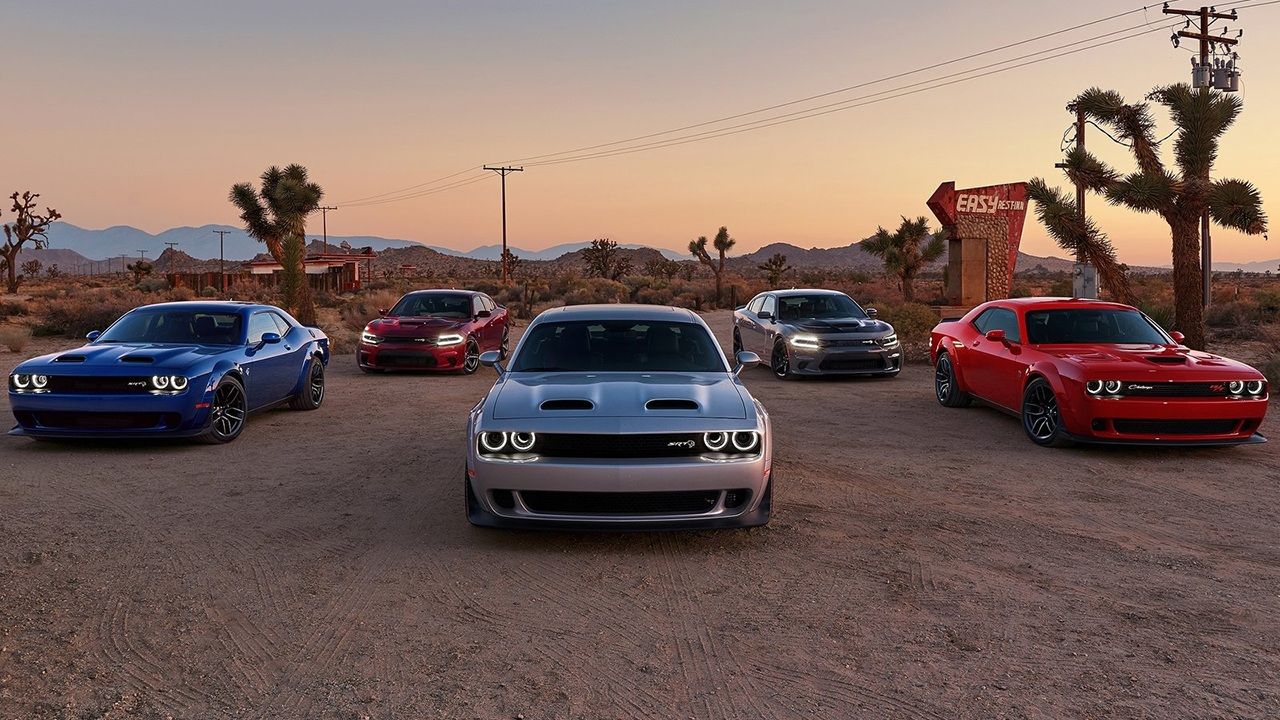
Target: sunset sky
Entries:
(145, 113)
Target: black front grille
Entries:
(1174, 389)
(852, 365)
(849, 342)
(406, 359)
(105, 420)
(622, 503)
(409, 339)
(1176, 427)
(619, 446)
(78, 384)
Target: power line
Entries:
(433, 191)
(503, 172)
(411, 187)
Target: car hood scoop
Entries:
(839, 325)
(114, 355)
(415, 326)
(682, 395)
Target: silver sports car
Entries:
(619, 417)
(816, 332)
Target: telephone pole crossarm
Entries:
(503, 172)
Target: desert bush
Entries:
(597, 290)
(153, 284)
(912, 322)
(11, 308)
(15, 337)
(364, 306)
(1161, 313)
(182, 293)
(77, 314)
(209, 292)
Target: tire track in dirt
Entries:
(141, 670)
(830, 685)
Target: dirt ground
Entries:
(921, 563)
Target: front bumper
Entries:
(737, 492)
(867, 360)
(111, 416)
(1166, 421)
(391, 355)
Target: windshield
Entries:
(818, 307)
(618, 346)
(434, 305)
(183, 327)
(1074, 327)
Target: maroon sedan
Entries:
(444, 330)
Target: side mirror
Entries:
(483, 314)
(764, 315)
(493, 359)
(382, 312)
(872, 312)
(996, 335)
(270, 338)
(93, 335)
(1177, 337)
(746, 359)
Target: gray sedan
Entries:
(619, 417)
(816, 332)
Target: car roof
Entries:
(208, 306)
(1062, 303)
(443, 291)
(802, 291)
(618, 311)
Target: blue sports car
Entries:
(182, 369)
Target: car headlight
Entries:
(889, 340)
(1255, 387)
(493, 441)
(715, 441)
(1235, 387)
(179, 383)
(450, 339)
(39, 382)
(523, 441)
(1113, 386)
(21, 382)
(369, 338)
(160, 382)
(1094, 387)
(806, 341)
(745, 440)
(169, 383)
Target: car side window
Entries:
(476, 305)
(259, 325)
(770, 305)
(282, 325)
(489, 304)
(999, 319)
(754, 306)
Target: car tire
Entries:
(946, 386)
(228, 412)
(369, 370)
(504, 348)
(1041, 416)
(471, 357)
(780, 362)
(311, 395)
(737, 341)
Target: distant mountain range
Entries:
(77, 249)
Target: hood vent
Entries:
(1168, 359)
(69, 358)
(567, 405)
(671, 405)
(137, 359)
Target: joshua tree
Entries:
(31, 268)
(1080, 237)
(1181, 198)
(906, 251)
(661, 267)
(140, 269)
(276, 215)
(52, 272)
(774, 268)
(722, 244)
(29, 226)
(604, 259)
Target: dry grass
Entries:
(15, 337)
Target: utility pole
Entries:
(142, 255)
(503, 171)
(222, 273)
(324, 224)
(1084, 280)
(1203, 77)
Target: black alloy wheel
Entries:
(471, 357)
(227, 412)
(1041, 417)
(945, 385)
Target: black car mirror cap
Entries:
(493, 359)
(270, 338)
(746, 359)
(483, 314)
(764, 315)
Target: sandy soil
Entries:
(922, 563)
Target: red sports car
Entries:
(444, 330)
(1097, 372)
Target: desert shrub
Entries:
(77, 314)
(518, 310)
(1064, 287)
(250, 291)
(597, 290)
(153, 284)
(363, 307)
(182, 293)
(912, 322)
(10, 308)
(209, 292)
(1161, 313)
(15, 337)
(1268, 302)
(689, 300)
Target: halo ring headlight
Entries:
(715, 441)
(745, 440)
(22, 382)
(1254, 387)
(523, 441)
(1113, 386)
(39, 381)
(493, 441)
(179, 383)
(1093, 387)
(1235, 387)
(160, 382)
